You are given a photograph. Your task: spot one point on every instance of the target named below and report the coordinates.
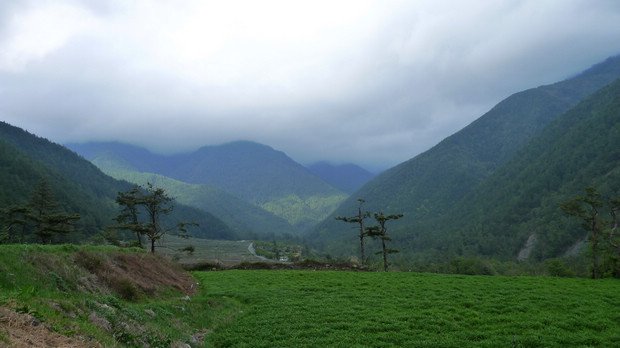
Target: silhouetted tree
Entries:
(380, 232)
(155, 203)
(358, 219)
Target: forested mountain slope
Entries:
(253, 172)
(426, 187)
(579, 149)
(76, 183)
(346, 177)
(244, 218)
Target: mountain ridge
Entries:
(253, 172)
(426, 186)
(78, 185)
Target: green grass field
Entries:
(348, 309)
(82, 291)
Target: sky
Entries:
(369, 82)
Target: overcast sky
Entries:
(369, 82)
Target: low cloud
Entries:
(371, 82)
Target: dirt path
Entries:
(253, 252)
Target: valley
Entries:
(485, 238)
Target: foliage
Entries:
(324, 309)
(155, 203)
(603, 240)
(380, 232)
(41, 217)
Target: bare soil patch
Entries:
(24, 330)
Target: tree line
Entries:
(43, 220)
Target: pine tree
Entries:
(45, 214)
(155, 203)
(127, 219)
(380, 232)
(359, 219)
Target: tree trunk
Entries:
(153, 245)
(385, 262)
(362, 249)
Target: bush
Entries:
(558, 268)
(471, 266)
(126, 289)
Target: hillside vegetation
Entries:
(77, 185)
(90, 296)
(252, 172)
(434, 190)
(245, 219)
(579, 149)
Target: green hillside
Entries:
(427, 187)
(77, 185)
(247, 220)
(579, 149)
(253, 172)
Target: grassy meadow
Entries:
(349, 309)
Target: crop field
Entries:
(206, 250)
(349, 309)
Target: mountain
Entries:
(520, 201)
(250, 171)
(426, 187)
(76, 183)
(242, 217)
(346, 177)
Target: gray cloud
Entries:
(370, 82)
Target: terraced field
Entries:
(224, 252)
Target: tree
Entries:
(602, 237)
(47, 217)
(127, 219)
(358, 219)
(380, 232)
(15, 217)
(155, 203)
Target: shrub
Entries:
(125, 288)
(558, 268)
